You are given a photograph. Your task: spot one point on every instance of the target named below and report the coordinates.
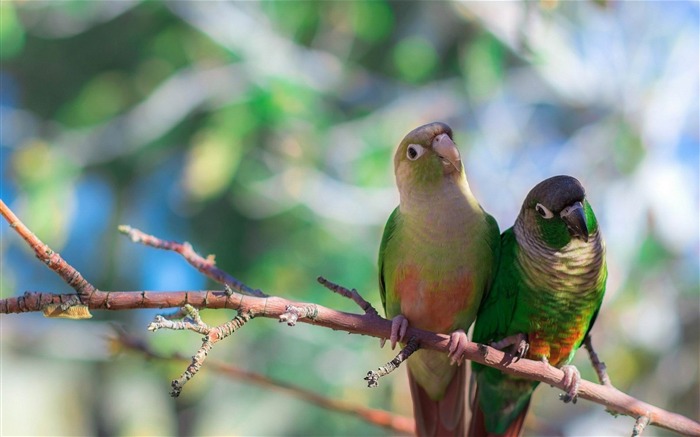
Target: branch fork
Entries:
(192, 321)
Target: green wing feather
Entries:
(493, 240)
(498, 306)
(388, 234)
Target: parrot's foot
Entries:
(572, 379)
(518, 343)
(457, 346)
(399, 326)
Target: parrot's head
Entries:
(428, 156)
(557, 211)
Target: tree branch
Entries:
(369, 323)
(207, 265)
(47, 256)
(392, 422)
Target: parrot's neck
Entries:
(576, 268)
(434, 212)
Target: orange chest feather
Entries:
(556, 344)
(442, 304)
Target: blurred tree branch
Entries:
(392, 422)
(251, 303)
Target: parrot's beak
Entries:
(575, 218)
(448, 153)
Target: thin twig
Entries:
(372, 377)
(206, 266)
(599, 366)
(350, 294)
(46, 255)
(639, 425)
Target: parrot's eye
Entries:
(414, 151)
(543, 211)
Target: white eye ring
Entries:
(543, 211)
(414, 151)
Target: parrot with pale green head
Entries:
(436, 260)
(546, 295)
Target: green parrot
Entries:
(546, 295)
(437, 258)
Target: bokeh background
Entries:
(264, 133)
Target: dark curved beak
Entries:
(575, 218)
(447, 151)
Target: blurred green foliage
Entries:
(264, 133)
